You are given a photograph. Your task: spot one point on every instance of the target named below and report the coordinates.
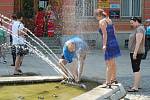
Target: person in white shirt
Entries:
(14, 18)
(18, 43)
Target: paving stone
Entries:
(94, 69)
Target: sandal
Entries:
(114, 81)
(133, 90)
(131, 87)
(105, 85)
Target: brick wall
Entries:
(122, 26)
(7, 7)
(69, 16)
(146, 9)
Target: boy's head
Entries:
(71, 46)
(14, 17)
(19, 16)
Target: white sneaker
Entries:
(4, 62)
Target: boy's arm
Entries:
(67, 55)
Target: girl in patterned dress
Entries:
(50, 21)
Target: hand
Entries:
(134, 56)
(104, 48)
(62, 61)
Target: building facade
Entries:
(79, 17)
(120, 11)
(83, 11)
(7, 7)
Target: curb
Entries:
(28, 79)
(116, 92)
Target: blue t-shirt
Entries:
(67, 54)
(79, 45)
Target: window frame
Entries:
(130, 10)
(84, 9)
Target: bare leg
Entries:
(62, 63)
(17, 63)
(113, 69)
(73, 69)
(3, 54)
(21, 60)
(81, 58)
(80, 69)
(137, 79)
(108, 72)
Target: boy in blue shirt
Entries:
(75, 48)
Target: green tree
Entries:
(28, 11)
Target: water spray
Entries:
(54, 57)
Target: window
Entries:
(130, 8)
(85, 8)
(43, 3)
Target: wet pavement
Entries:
(94, 69)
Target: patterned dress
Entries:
(50, 24)
(112, 47)
(39, 24)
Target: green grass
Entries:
(50, 91)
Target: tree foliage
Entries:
(28, 11)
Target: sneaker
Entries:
(63, 82)
(16, 72)
(12, 65)
(20, 71)
(4, 62)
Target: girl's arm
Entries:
(139, 37)
(103, 26)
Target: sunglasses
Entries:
(134, 18)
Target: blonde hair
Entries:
(70, 45)
(48, 7)
(100, 12)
